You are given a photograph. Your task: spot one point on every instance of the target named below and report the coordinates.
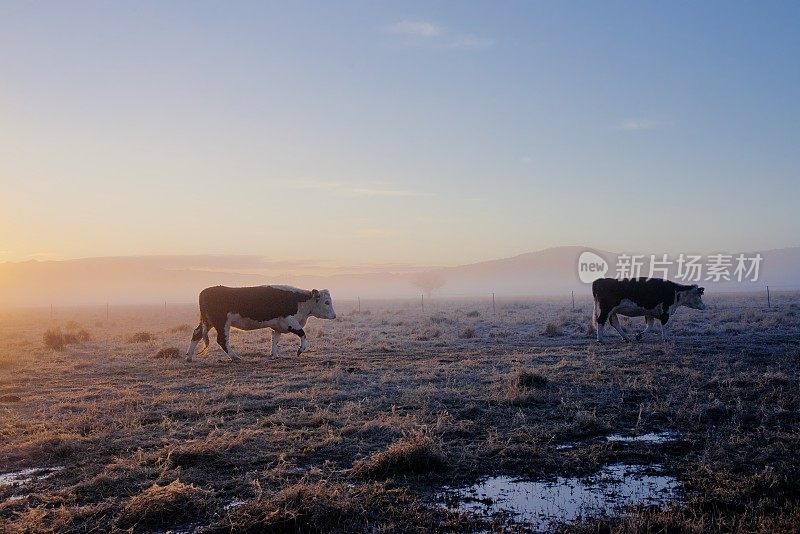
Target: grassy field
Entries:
(387, 407)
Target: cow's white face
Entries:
(322, 305)
(692, 298)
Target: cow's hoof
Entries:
(626, 340)
(299, 352)
(189, 359)
(639, 337)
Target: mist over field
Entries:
(178, 279)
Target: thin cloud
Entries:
(418, 28)
(426, 34)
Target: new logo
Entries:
(591, 267)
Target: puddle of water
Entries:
(25, 476)
(653, 437)
(544, 504)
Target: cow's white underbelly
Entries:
(628, 308)
(279, 324)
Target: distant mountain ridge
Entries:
(152, 280)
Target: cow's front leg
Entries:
(664, 334)
(615, 323)
(296, 329)
(276, 337)
(647, 328)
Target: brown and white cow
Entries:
(650, 298)
(285, 309)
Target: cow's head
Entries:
(322, 305)
(692, 298)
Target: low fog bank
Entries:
(149, 280)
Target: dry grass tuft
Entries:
(181, 329)
(54, 339)
(414, 456)
(526, 379)
(174, 504)
(333, 507)
(552, 330)
(468, 333)
(57, 340)
(519, 389)
(168, 353)
(140, 337)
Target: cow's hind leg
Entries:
(649, 327)
(206, 342)
(197, 335)
(224, 340)
(615, 323)
(664, 334)
(600, 322)
(276, 337)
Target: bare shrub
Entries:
(140, 337)
(83, 336)
(181, 328)
(57, 340)
(162, 506)
(416, 455)
(518, 389)
(552, 330)
(168, 353)
(441, 319)
(54, 339)
(468, 333)
(474, 313)
(527, 379)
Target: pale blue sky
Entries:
(415, 132)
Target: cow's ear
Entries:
(315, 293)
(700, 290)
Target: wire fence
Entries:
(768, 297)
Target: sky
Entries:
(403, 133)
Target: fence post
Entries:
(769, 304)
(51, 313)
(573, 300)
(494, 309)
(423, 301)
(359, 304)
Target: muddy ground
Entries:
(389, 406)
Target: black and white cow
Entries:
(650, 298)
(285, 309)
